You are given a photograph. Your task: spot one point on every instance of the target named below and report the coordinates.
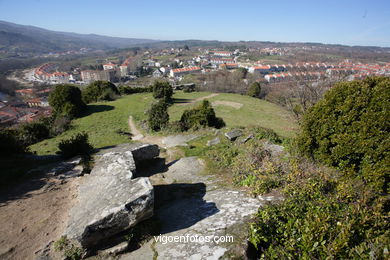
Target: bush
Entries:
(323, 216)
(99, 91)
(66, 101)
(31, 133)
(349, 129)
(158, 116)
(10, 143)
(76, 145)
(254, 90)
(202, 116)
(162, 90)
(266, 133)
(126, 90)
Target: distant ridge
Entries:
(25, 39)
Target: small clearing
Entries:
(227, 103)
(199, 99)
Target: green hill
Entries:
(106, 119)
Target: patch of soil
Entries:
(198, 99)
(31, 221)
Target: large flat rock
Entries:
(109, 200)
(193, 204)
(140, 151)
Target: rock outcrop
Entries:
(178, 140)
(109, 200)
(214, 141)
(233, 134)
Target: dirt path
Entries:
(199, 99)
(138, 136)
(34, 214)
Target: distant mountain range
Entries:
(25, 40)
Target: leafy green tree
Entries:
(158, 116)
(202, 116)
(66, 100)
(34, 132)
(254, 90)
(162, 90)
(349, 129)
(98, 91)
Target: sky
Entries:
(357, 22)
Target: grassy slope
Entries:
(102, 126)
(106, 118)
(253, 112)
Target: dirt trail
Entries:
(36, 216)
(198, 99)
(139, 137)
(133, 129)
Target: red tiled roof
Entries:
(186, 69)
(25, 91)
(265, 67)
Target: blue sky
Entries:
(348, 22)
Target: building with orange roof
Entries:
(260, 69)
(222, 53)
(183, 71)
(110, 66)
(228, 66)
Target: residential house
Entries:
(183, 71)
(110, 66)
(263, 69)
(222, 53)
(89, 76)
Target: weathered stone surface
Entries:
(116, 249)
(109, 200)
(178, 140)
(274, 149)
(140, 151)
(214, 141)
(115, 162)
(246, 139)
(65, 169)
(234, 134)
(145, 152)
(108, 205)
(196, 205)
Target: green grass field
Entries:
(104, 119)
(253, 112)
